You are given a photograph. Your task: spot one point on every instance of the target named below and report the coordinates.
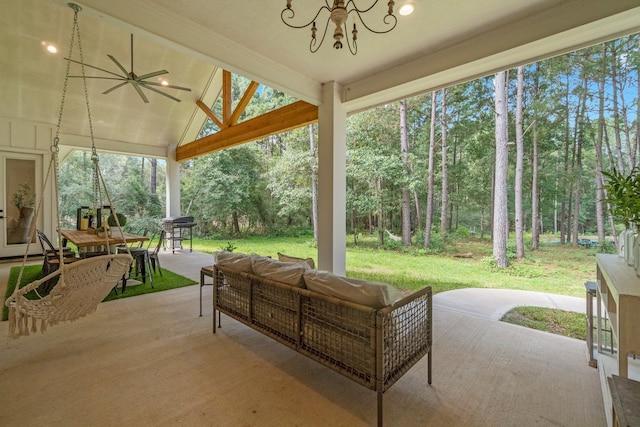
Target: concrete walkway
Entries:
(489, 304)
(479, 302)
(494, 303)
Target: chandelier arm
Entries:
(353, 49)
(385, 20)
(353, 3)
(293, 14)
(314, 41)
(144, 85)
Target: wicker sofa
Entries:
(372, 345)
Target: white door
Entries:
(20, 191)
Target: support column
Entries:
(332, 180)
(173, 183)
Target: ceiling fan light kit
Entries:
(138, 82)
(338, 14)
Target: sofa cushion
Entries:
(286, 258)
(284, 272)
(236, 261)
(365, 292)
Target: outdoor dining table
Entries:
(89, 239)
(85, 239)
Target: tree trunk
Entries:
(578, 166)
(153, 184)
(519, 221)
(564, 180)
(500, 222)
(380, 212)
(535, 227)
(314, 181)
(453, 209)
(616, 111)
(598, 150)
(406, 195)
(445, 182)
(430, 172)
(236, 223)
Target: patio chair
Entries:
(51, 261)
(153, 256)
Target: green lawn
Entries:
(554, 268)
(168, 280)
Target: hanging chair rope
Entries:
(81, 285)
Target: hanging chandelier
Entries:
(338, 14)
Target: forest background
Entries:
(519, 152)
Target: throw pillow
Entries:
(365, 292)
(237, 261)
(284, 272)
(286, 258)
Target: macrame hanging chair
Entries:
(79, 286)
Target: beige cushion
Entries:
(286, 258)
(365, 292)
(284, 272)
(236, 261)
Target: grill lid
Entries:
(177, 219)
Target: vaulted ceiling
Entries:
(442, 43)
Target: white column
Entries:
(173, 183)
(332, 181)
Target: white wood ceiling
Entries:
(442, 43)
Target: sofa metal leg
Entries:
(380, 409)
(429, 366)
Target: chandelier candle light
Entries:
(338, 14)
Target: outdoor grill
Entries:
(176, 228)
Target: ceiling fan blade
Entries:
(167, 86)
(91, 66)
(137, 88)
(160, 92)
(115, 87)
(126, 73)
(101, 78)
(149, 75)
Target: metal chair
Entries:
(51, 261)
(153, 256)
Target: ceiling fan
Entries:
(138, 82)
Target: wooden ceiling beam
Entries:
(244, 101)
(209, 113)
(289, 117)
(226, 98)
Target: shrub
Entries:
(122, 220)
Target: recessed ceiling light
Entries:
(164, 83)
(50, 47)
(407, 8)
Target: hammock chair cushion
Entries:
(81, 287)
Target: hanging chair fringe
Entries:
(78, 292)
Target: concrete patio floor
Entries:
(151, 360)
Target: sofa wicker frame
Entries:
(373, 347)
